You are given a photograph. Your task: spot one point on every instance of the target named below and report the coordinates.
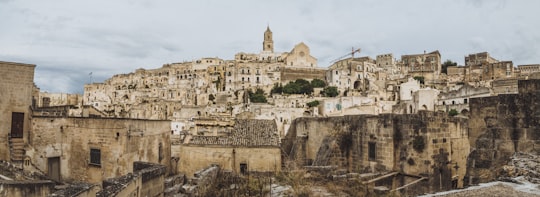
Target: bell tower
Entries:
(268, 43)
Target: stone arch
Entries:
(465, 112)
(357, 85)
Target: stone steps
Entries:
(16, 149)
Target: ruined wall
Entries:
(152, 178)
(499, 127)
(147, 179)
(16, 86)
(120, 142)
(424, 144)
(78, 190)
(258, 159)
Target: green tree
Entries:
(258, 96)
(291, 88)
(444, 66)
(330, 91)
(300, 86)
(452, 112)
(305, 86)
(313, 103)
(211, 97)
(317, 83)
(277, 89)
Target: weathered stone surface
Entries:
(16, 91)
(120, 143)
(26, 188)
(424, 144)
(500, 126)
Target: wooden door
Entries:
(17, 124)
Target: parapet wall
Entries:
(30, 188)
(148, 179)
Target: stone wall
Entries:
(26, 188)
(148, 179)
(499, 127)
(291, 74)
(16, 87)
(424, 144)
(258, 159)
(152, 178)
(78, 190)
(120, 142)
(251, 143)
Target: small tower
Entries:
(268, 43)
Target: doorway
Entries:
(53, 169)
(243, 168)
(17, 124)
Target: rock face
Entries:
(500, 126)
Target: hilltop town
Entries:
(274, 124)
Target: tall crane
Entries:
(353, 51)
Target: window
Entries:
(160, 152)
(243, 168)
(372, 150)
(95, 156)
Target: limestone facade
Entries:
(46, 99)
(525, 70)
(459, 99)
(94, 149)
(16, 99)
(251, 146)
(427, 65)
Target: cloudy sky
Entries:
(68, 39)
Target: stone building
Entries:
(456, 74)
(353, 74)
(479, 58)
(483, 67)
(16, 100)
(427, 65)
(526, 70)
(94, 149)
(46, 99)
(157, 93)
(459, 99)
(250, 146)
(426, 144)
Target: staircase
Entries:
(16, 147)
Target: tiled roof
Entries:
(245, 133)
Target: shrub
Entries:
(313, 103)
(453, 112)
